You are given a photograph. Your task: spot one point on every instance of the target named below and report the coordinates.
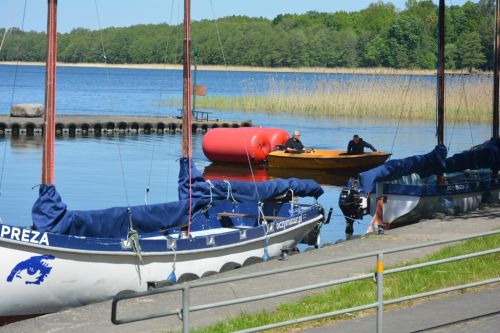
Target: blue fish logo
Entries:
(33, 270)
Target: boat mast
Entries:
(495, 72)
(50, 95)
(187, 87)
(440, 74)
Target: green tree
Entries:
(470, 51)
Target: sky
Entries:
(93, 14)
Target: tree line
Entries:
(377, 36)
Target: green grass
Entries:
(395, 285)
(467, 100)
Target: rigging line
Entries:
(467, 111)
(9, 21)
(402, 109)
(150, 172)
(251, 171)
(12, 95)
(450, 139)
(463, 95)
(220, 41)
(176, 34)
(148, 183)
(106, 69)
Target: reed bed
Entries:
(467, 98)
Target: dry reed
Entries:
(468, 98)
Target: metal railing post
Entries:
(380, 292)
(185, 309)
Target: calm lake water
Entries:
(94, 173)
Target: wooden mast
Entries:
(50, 96)
(495, 73)
(440, 74)
(187, 87)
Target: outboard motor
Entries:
(353, 206)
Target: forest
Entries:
(377, 36)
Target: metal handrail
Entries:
(185, 310)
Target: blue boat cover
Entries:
(484, 156)
(423, 165)
(50, 213)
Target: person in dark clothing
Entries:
(293, 145)
(356, 146)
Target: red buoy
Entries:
(276, 136)
(236, 145)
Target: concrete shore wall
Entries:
(100, 125)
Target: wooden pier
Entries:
(74, 125)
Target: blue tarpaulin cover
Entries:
(424, 165)
(50, 213)
(484, 156)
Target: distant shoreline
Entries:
(317, 70)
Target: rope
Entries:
(462, 96)
(401, 113)
(467, 110)
(218, 36)
(265, 257)
(13, 90)
(10, 15)
(177, 32)
(261, 213)
(251, 171)
(210, 187)
(153, 149)
(133, 237)
(105, 58)
(172, 276)
(229, 192)
(190, 210)
(150, 172)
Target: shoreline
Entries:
(312, 70)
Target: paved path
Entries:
(473, 312)
(96, 318)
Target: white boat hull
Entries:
(404, 209)
(78, 277)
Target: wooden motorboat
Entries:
(326, 160)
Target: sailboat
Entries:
(403, 191)
(71, 258)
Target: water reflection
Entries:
(323, 177)
(26, 143)
(226, 171)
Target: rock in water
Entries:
(27, 110)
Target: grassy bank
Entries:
(467, 99)
(396, 285)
